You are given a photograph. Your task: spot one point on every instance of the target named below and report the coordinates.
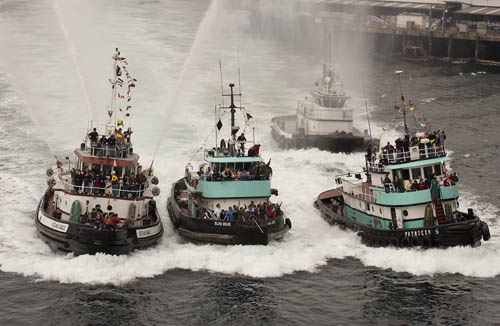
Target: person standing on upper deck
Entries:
(242, 140)
(232, 145)
(94, 138)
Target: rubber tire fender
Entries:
(415, 242)
(426, 242)
(405, 243)
(288, 222)
(485, 230)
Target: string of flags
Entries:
(419, 121)
(124, 79)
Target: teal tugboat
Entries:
(405, 197)
(227, 200)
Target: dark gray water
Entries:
(319, 275)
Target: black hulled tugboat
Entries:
(324, 121)
(102, 201)
(406, 196)
(227, 200)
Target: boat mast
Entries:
(399, 72)
(111, 109)
(232, 106)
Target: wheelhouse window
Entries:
(403, 174)
(416, 173)
(96, 168)
(406, 174)
(428, 171)
(118, 170)
(437, 169)
(106, 169)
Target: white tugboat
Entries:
(324, 121)
(406, 196)
(227, 201)
(103, 200)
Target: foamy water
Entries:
(270, 88)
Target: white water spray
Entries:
(207, 18)
(72, 53)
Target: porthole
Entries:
(405, 212)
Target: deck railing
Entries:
(108, 151)
(115, 190)
(398, 156)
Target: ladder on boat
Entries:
(440, 215)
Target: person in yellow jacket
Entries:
(115, 184)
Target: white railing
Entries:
(397, 156)
(316, 113)
(365, 196)
(116, 190)
(231, 150)
(108, 151)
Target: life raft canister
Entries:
(485, 230)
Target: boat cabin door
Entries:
(397, 217)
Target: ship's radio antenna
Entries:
(329, 49)
(368, 117)
(399, 72)
(239, 75)
(221, 81)
(215, 126)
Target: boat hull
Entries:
(84, 239)
(468, 232)
(336, 143)
(225, 233)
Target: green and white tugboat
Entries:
(406, 196)
(227, 200)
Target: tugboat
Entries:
(390, 204)
(227, 201)
(324, 121)
(103, 201)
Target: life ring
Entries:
(405, 243)
(426, 242)
(485, 230)
(415, 242)
(378, 242)
(289, 223)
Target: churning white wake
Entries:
(271, 88)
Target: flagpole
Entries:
(109, 129)
(215, 126)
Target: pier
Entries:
(452, 30)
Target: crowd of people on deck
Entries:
(430, 182)
(100, 220)
(257, 171)
(251, 214)
(96, 183)
(116, 145)
(235, 146)
(430, 145)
